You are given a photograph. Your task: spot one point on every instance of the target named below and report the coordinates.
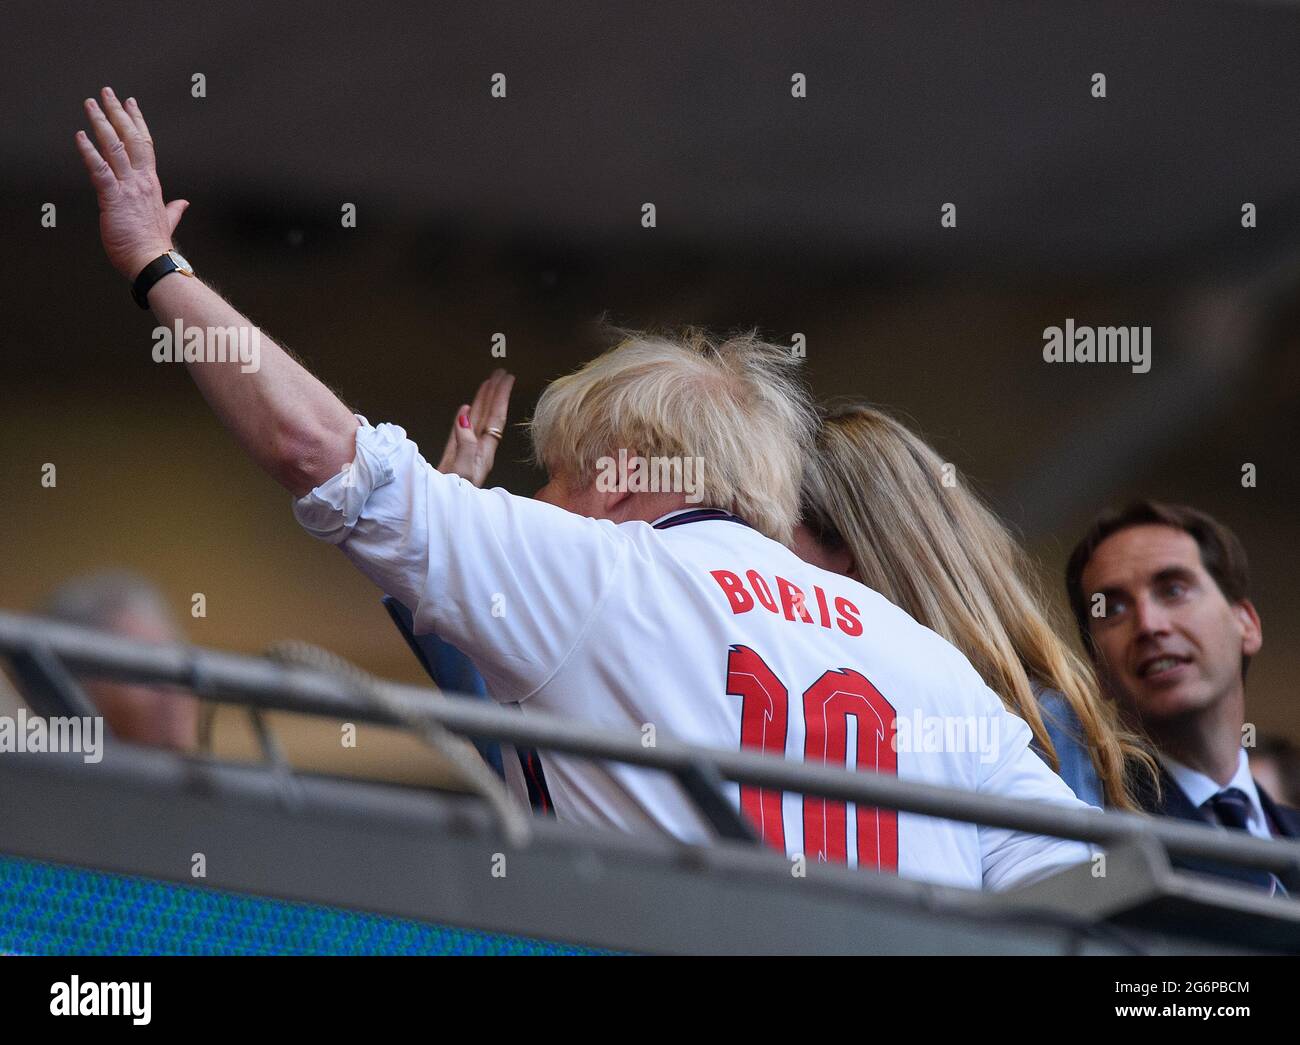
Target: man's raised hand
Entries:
(134, 223)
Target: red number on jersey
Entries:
(764, 715)
(828, 706)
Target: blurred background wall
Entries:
(522, 215)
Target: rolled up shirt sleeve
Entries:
(513, 582)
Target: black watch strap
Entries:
(151, 274)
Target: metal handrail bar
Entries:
(238, 678)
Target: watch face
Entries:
(182, 265)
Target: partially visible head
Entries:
(127, 604)
(1160, 594)
(880, 505)
(115, 600)
(732, 409)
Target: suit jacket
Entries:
(1173, 802)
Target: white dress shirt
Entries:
(1199, 789)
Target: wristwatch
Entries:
(172, 261)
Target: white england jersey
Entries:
(711, 633)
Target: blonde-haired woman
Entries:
(875, 507)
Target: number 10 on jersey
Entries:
(837, 701)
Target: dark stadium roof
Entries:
(910, 104)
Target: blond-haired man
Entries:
(647, 586)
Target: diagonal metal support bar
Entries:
(50, 687)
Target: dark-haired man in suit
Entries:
(1160, 594)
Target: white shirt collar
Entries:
(1199, 788)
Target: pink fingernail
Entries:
(464, 417)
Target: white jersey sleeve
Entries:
(512, 581)
(1013, 858)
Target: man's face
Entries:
(1169, 642)
(163, 716)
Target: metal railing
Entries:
(264, 683)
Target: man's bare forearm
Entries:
(290, 423)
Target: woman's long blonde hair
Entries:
(930, 545)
